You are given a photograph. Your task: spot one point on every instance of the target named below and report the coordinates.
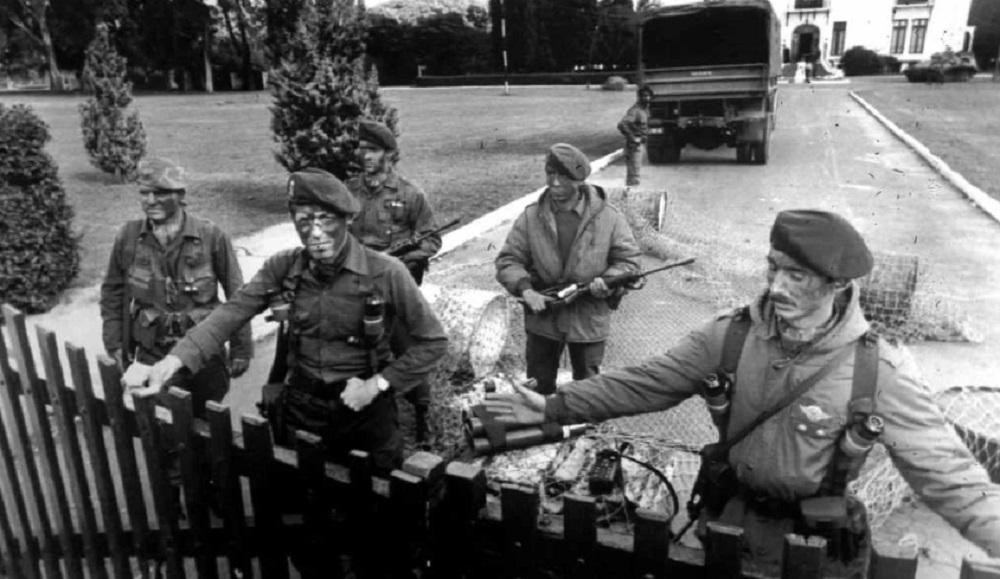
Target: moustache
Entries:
(781, 300)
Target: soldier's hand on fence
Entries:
(535, 300)
(159, 374)
(238, 367)
(525, 406)
(599, 289)
(359, 393)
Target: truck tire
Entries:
(743, 153)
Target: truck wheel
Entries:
(743, 153)
(655, 154)
(760, 152)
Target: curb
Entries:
(989, 205)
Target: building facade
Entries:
(910, 30)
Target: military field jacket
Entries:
(326, 317)
(604, 246)
(788, 455)
(156, 281)
(635, 123)
(395, 211)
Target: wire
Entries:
(659, 474)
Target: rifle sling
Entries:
(719, 450)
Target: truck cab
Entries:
(712, 67)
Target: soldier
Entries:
(570, 235)
(635, 127)
(393, 210)
(341, 374)
(163, 278)
(806, 351)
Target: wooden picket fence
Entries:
(71, 508)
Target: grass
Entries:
(471, 150)
(959, 122)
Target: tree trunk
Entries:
(245, 45)
(206, 55)
(224, 6)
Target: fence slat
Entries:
(227, 480)
(519, 512)
(454, 520)
(580, 532)
(408, 521)
(19, 339)
(10, 550)
(101, 467)
(153, 447)
(360, 507)
(55, 382)
(651, 544)
(263, 496)
(723, 552)
(897, 565)
(803, 557)
(980, 569)
(309, 450)
(196, 482)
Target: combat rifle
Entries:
(404, 246)
(564, 294)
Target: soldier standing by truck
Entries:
(393, 210)
(635, 127)
(162, 279)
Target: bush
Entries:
(614, 83)
(113, 137)
(321, 88)
(40, 255)
(860, 61)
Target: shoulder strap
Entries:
(131, 235)
(736, 337)
(865, 380)
(284, 351)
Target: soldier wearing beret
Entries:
(393, 210)
(342, 302)
(805, 327)
(570, 235)
(163, 278)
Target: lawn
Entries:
(471, 149)
(959, 122)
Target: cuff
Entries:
(189, 354)
(522, 285)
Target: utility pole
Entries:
(503, 43)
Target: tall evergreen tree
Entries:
(113, 136)
(321, 87)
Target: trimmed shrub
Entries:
(39, 254)
(614, 83)
(321, 88)
(113, 136)
(860, 61)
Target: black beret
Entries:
(823, 241)
(317, 187)
(569, 161)
(377, 133)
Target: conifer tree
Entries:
(113, 136)
(322, 86)
(40, 253)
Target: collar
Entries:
(356, 260)
(188, 227)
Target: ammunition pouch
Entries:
(841, 520)
(273, 407)
(716, 482)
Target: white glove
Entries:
(359, 393)
(136, 375)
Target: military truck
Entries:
(713, 68)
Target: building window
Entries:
(898, 42)
(910, 2)
(839, 33)
(917, 35)
(807, 4)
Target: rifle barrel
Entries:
(668, 266)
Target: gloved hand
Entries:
(599, 289)
(536, 301)
(238, 366)
(359, 393)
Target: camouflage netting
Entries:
(898, 297)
